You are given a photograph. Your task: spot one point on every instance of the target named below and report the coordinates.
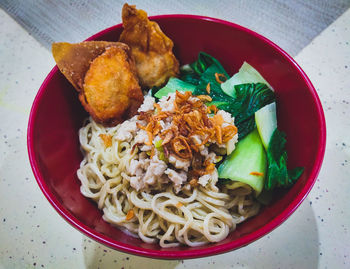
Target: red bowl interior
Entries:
(57, 115)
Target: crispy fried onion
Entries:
(181, 148)
(218, 78)
(190, 118)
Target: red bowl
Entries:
(57, 115)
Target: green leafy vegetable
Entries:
(191, 73)
(173, 85)
(250, 98)
(188, 75)
(247, 163)
(215, 90)
(266, 122)
(246, 74)
(242, 96)
(158, 144)
(153, 91)
(159, 147)
(277, 172)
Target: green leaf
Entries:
(277, 172)
(245, 127)
(295, 173)
(216, 93)
(187, 74)
(153, 91)
(158, 144)
(204, 62)
(266, 122)
(246, 74)
(191, 73)
(173, 85)
(249, 156)
(249, 98)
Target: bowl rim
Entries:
(190, 253)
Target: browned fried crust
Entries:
(74, 60)
(104, 75)
(151, 48)
(111, 90)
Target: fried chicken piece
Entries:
(104, 75)
(151, 48)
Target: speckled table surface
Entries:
(33, 235)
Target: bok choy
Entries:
(260, 158)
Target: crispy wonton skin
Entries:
(111, 89)
(151, 48)
(104, 75)
(74, 60)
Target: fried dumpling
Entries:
(150, 47)
(104, 75)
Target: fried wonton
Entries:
(104, 75)
(151, 48)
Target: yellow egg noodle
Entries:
(190, 217)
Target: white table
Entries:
(33, 235)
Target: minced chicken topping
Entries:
(178, 140)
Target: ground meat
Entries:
(179, 163)
(126, 131)
(141, 137)
(148, 104)
(145, 172)
(204, 152)
(137, 183)
(137, 167)
(213, 180)
(211, 157)
(228, 120)
(143, 156)
(167, 103)
(155, 170)
(198, 140)
(165, 125)
(178, 178)
(145, 148)
(203, 180)
(209, 179)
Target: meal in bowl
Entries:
(175, 156)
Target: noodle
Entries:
(171, 217)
